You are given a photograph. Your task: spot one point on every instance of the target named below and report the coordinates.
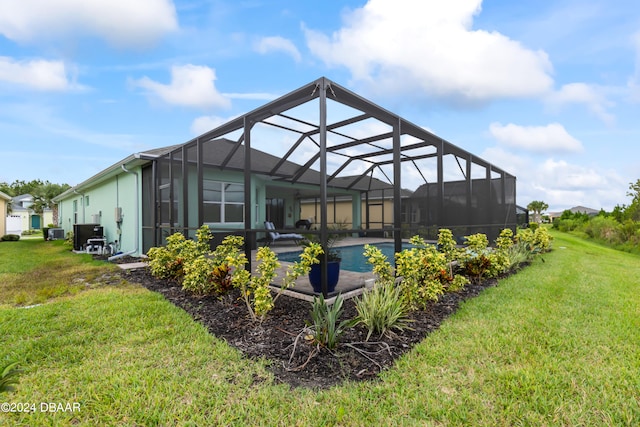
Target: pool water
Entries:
(352, 256)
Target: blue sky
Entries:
(547, 90)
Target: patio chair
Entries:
(273, 236)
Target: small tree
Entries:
(537, 207)
(633, 210)
(43, 198)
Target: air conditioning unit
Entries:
(56, 234)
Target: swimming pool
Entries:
(352, 256)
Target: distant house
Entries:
(481, 205)
(4, 202)
(23, 217)
(376, 208)
(575, 209)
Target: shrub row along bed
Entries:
(316, 344)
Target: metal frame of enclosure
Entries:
(359, 148)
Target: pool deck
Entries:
(350, 284)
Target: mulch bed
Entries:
(280, 337)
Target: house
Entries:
(320, 143)
(112, 199)
(480, 205)
(376, 209)
(4, 203)
(23, 217)
(575, 209)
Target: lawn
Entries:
(33, 271)
(555, 344)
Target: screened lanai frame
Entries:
(354, 154)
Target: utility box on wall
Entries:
(118, 215)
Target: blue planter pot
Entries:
(333, 274)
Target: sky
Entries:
(547, 90)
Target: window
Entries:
(223, 202)
(86, 200)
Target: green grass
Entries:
(555, 344)
(33, 271)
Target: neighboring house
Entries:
(28, 218)
(327, 145)
(4, 202)
(575, 209)
(376, 208)
(481, 205)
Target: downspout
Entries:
(137, 225)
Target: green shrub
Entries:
(202, 276)
(9, 377)
(10, 238)
(68, 240)
(425, 272)
(629, 230)
(168, 262)
(519, 253)
(503, 244)
(381, 266)
(382, 309)
(447, 245)
(542, 239)
(457, 283)
(422, 269)
(477, 260)
(255, 289)
(327, 330)
(605, 229)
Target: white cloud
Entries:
(559, 183)
(123, 23)
(634, 80)
(563, 185)
(508, 161)
(581, 93)
(204, 124)
(259, 96)
(430, 48)
(38, 74)
(277, 44)
(566, 176)
(191, 86)
(545, 139)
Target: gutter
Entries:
(137, 220)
